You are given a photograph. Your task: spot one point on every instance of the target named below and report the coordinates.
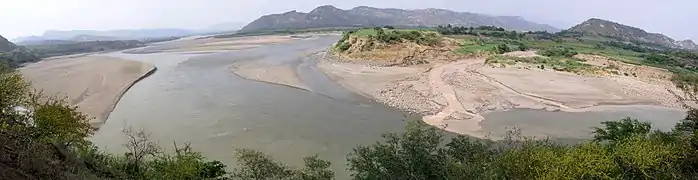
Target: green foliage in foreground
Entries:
(572, 65)
(50, 144)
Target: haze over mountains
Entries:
(110, 35)
(62, 36)
(364, 16)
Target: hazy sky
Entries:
(675, 18)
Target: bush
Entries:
(558, 52)
(343, 46)
(501, 48)
(523, 47)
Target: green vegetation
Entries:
(17, 57)
(558, 52)
(567, 44)
(13, 55)
(388, 36)
(572, 65)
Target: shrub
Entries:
(558, 52)
(501, 48)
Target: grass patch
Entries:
(565, 64)
(477, 45)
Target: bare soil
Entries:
(454, 95)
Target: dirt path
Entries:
(441, 119)
(455, 116)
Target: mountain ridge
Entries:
(606, 28)
(328, 16)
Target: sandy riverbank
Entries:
(94, 83)
(454, 95)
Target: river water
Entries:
(193, 97)
(575, 125)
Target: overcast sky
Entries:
(675, 18)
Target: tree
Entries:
(414, 154)
(615, 131)
(388, 27)
(255, 165)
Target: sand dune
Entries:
(94, 83)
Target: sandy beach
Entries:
(94, 83)
(454, 95)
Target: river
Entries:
(195, 98)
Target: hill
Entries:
(363, 16)
(5, 45)
(13, 55)
(609, 29)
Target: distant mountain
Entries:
(605, 28)
(109, 35)
(363, 16)
(228, 26)
(687, 44)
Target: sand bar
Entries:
(454, 95)
(274, 74)
(94, 83)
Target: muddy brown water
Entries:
(193, 97)
(575, 125)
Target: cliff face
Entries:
(363, 16)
